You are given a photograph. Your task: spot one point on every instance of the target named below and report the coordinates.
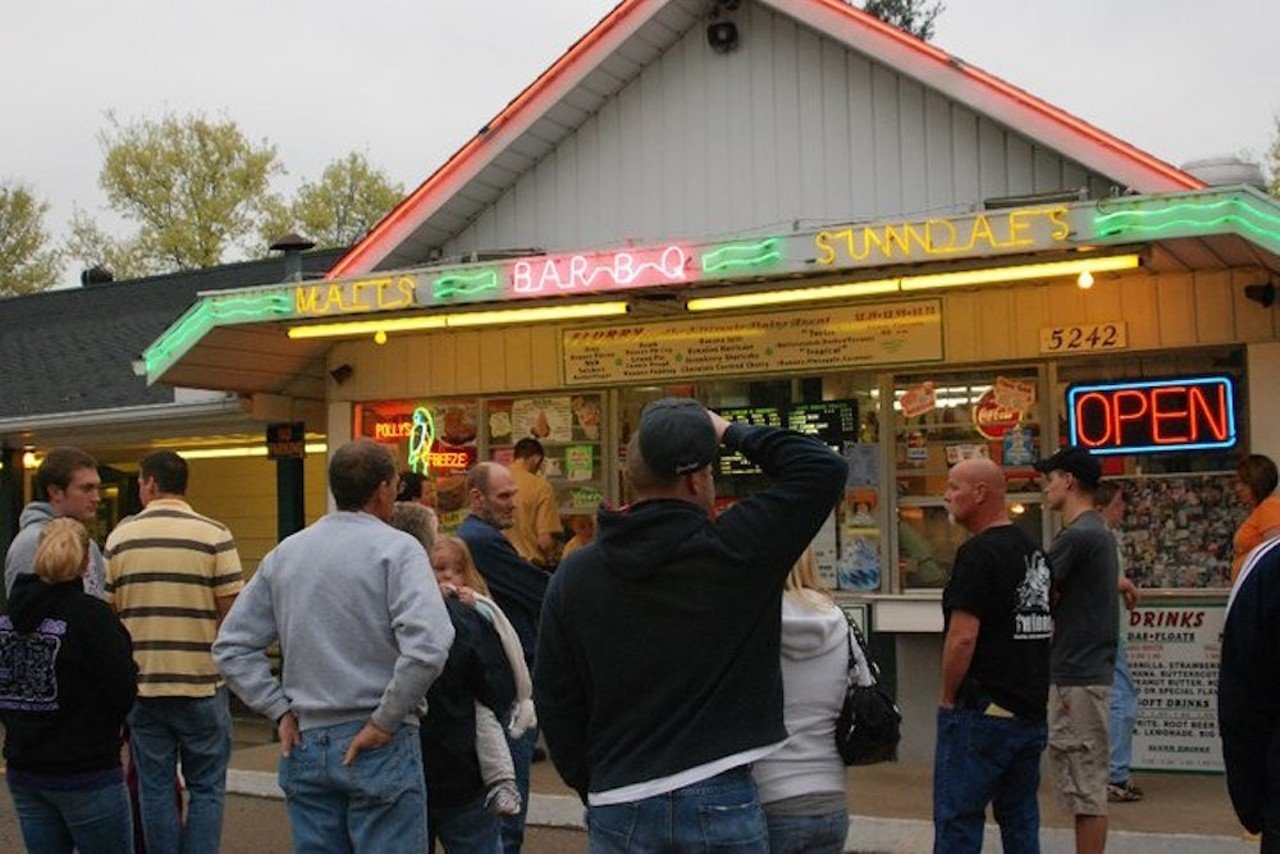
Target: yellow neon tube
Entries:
(852, 289)
(367, 327)
(243, 451)
(998, 275)
(985, 276)
(538, 314)
(440, 321)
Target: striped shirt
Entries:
(165, 567)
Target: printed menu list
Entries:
(768, 416)
(833, 421)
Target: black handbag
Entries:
(869, 726)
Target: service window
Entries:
(941, 419)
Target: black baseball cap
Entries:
(1075, 461)
(676, 436)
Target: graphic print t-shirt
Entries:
(1001, 576)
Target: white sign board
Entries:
(1174, 651)
(771, 343)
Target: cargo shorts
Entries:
(1079, 747)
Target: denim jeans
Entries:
(979, 760)
(93, 821)
(193, 731)
(801, 834)
(1124, 715)
(522, 759)
(718, 814)
(378, 803)
(468, 829)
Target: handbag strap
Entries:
(855, 633)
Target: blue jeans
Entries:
(984, 760)
(468, 829)
(719, 814)
(800, 834)
(522, 759)
(93, 821)
(378, 803)
(1124, 715)
(164, 731)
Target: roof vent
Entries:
(1227, 170)
(97, 275)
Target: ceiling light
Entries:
(749, 300)
(242, 451)
(380, 328)
(1085, 280)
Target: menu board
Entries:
(836, 337)
(833, 421)
(1174, 650)
(767, 416)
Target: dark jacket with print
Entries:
(67, 679)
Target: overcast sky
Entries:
(408, 82)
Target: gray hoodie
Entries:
(22, 551)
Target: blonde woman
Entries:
(63, 710)
(802, 784)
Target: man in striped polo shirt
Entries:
(172, 575)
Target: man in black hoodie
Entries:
(657, 680)
(1249, 694)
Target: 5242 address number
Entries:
(1082, 339)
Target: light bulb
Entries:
(380, 337)
(1085, 280)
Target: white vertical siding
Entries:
(790, 126)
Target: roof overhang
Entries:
(241, 340)
(636, 32)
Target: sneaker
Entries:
(503, 799)
(1123, 793)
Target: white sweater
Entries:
(815, 663)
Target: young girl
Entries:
(459, 577)
(64, 707)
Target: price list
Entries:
(832, 421)
(767, 416)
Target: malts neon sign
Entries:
(1179, 414)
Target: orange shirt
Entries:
(1254, 530)
(536, 513)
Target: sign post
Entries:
(285, 444)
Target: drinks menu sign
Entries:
(771, 343)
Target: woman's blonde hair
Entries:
(471, 576)
(804, 575)
(417, 520)
(62, 552)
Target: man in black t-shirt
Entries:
(995, 672)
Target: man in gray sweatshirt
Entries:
(364, 633)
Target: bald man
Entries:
(995, 671)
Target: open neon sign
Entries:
(1181, 414)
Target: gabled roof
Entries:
(636, 32)
(72, 350)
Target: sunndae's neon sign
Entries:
(1178, 414)
(630, 268)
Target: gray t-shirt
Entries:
(1086, 612)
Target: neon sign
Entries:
(1180, 414)
(630, 268)
(422, 435)
(740, 255)
(383, 294)
(464, 284)
(933, 238)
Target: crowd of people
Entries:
(685, 667)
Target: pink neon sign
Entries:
(631, 268)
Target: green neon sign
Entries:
(422, 435)
(211, 312)
(1192, 218)
(739, 255)
(464, 284)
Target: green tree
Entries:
(915, 16)
(195, 187)
(27, 262)
(339, 208)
